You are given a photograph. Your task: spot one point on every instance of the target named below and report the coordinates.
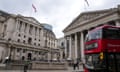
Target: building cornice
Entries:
(27, 21)
(107, 12)
(21, 45)
(92, 20)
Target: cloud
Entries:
(15, 6)
(58, 13)
(102, 4)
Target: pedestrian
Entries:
(77, 65)
(74, 65)
(25, 67)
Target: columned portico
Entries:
(86, 21)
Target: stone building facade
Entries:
(76, 31)
(24, 38)
(61, 46)
(50, 41)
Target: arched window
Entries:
(29, 40)
(23, 58)
(23, 41)
(18, 40)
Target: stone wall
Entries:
(36, 65)
(49, 66)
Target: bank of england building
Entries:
(24, 38)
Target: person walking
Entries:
(25, 67)
(74, 65)
(77, 65)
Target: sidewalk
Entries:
(70, 69)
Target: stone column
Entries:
(55, 56)
(76, 46)
(37, 32)
(1, 28)
(28, 27)
(82, 46)
(70, 47)
(17, 24)
(65, 47)
(13, 56)
(33, 30)
(49, 56)
(8, 50)
(61, 54)
(23, 27)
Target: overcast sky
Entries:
(58, 13)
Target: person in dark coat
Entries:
(25, 67)
(75, 64)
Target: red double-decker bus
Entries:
(102, 49)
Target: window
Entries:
(39, 53)
(34, 58)
(19, 35)
(111, 33)
(9, 39)
(24, 36)
(29, 40)
(18, 40)
(62, 44)
(94, 35)
(18, 50)
(34, 43)
(36, 52)
(23, 41)
(91, 46)
(38, 44)
(23, 58)
(24, 50)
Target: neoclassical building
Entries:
(24, 38)
(76, 31)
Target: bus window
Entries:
(94, 35)
(111, 33)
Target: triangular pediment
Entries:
(86, 16)
(31, 19)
